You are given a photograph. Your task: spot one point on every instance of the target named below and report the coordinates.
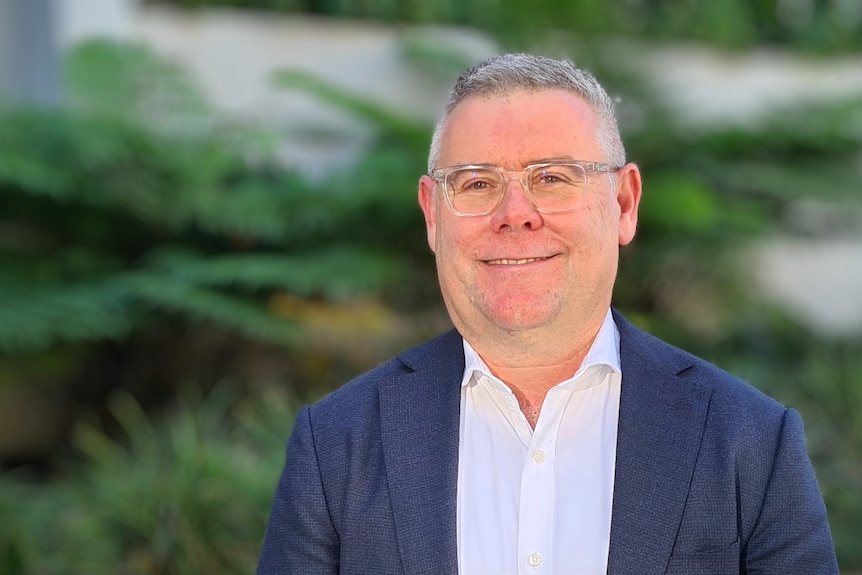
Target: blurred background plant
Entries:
(171, 291)
(180, 493)
(808, 25)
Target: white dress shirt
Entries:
(537, 502)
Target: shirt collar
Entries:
(604, 351)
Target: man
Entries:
(545, 434)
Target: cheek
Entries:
(454, 245)
(454, 235)
(604, 218)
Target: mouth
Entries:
(509, 262)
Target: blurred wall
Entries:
(29, 52)
(81, 19)
(234, 54)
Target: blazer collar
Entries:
(661, 422)
(419, 414)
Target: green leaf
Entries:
(251, 319)
(405, 129)
(334, 273)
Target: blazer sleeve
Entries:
(300, 537)
(791, 534)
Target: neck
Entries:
(530, 385)
(548, 353)
(529, 373)
(531, 362)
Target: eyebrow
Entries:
(532, 162)
(548, 160)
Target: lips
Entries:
(510, 262)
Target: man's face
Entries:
(517, 269)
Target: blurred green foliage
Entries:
(136, 217)
(131, 206)
(181, 493)
(135, 224)
(806, 25)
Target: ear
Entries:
(428, 200)
(628, 198)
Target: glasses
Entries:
(552, 187)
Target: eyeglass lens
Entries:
(556, 188)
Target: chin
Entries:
(521, 318)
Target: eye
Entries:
(549, 178)
(555, 176)
(474, 181)
(475, 184)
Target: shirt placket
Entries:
(538, 486)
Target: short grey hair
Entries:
(504, 75)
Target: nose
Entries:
(516, 211)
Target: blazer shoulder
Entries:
(360, 394)
(678, 367)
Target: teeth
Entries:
(513, 262)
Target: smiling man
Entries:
(545, 434)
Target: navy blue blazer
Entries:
(712, 477)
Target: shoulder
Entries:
(733, 401)
(360, 396)
(741, 430)
(750, 471)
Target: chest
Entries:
(537, 500)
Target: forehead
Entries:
(519, 128)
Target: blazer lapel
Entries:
(420, 413)
(661, 422)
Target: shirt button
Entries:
(539, 456)
(535, 559)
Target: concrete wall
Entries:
(29, 52)
(234, 55)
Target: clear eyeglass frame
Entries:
(442, 175)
